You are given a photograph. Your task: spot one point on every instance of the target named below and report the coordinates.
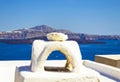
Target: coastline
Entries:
(30, 41)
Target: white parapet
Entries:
(90, 72)
(107, 70)
(24, 74)
(7, 69)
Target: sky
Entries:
(82, 16)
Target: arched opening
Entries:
(60, 67)
(56, 55)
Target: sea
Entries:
(88, 51)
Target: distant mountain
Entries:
(39, 32)
(43, 28)
(34, 32)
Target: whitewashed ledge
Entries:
(108, 73)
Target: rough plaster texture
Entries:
(24, 74)
(7, 69)
(41, 50)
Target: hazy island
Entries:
(39, 32)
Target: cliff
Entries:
(39, 32)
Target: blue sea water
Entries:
(88, 51)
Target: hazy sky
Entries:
(82, 16)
